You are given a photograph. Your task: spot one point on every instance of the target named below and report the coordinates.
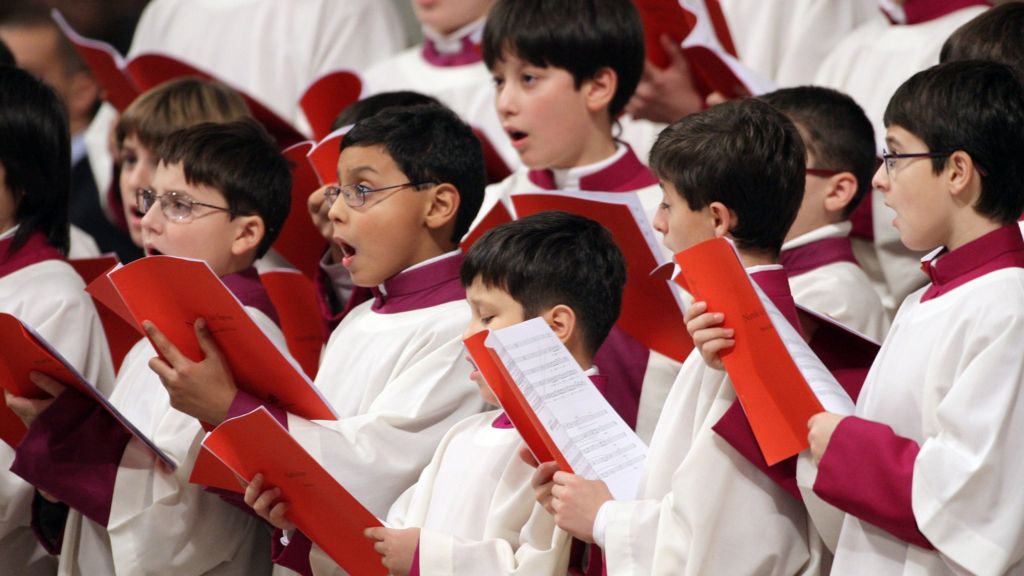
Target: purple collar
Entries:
(813, 255)
(1002, 248)
(430, 285)
(627, 174)
(247, 287)
(775, 285)
(35, 250)
(503, 422)
(919, 11)
(468, 54)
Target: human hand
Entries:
(576, 502)
(266, 504)
(542, 484)
(28, 409)
(666, 94)
(820, 428)
(708, 336)
(396, 546)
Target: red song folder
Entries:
(121, 335)
(294, 297)
(299, 241)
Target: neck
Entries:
(6, 225)
(751, 258)
(599, 145)
(970, 228)
(801, 227)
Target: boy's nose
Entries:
(505, 101)
(880, 181)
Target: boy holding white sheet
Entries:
(220, 194)
(736, 171)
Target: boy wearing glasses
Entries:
(817, 254)
(220, 193)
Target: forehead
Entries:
(171, 178)
(896, 135)
(482, 293)
(366, 161)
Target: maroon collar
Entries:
(431, 285)
(1002, 248)
(626, 174)
(468, 54)
(775, 285)
(35, 250)
(920, 11)
(247, 287)
(503, 422)
(813, 255)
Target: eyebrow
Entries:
(360, 169)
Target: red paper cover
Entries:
(650, 311)
(324, 157)
(496, 217)
(663, 18)
(495, 166)
(294, 297)
(105, 63)
(121, 335)
(325, 512)
(299, 241)
(774, 395)
(327, 97)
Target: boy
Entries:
(411, 182)
(220, 194)
(483, 519)
(927, 470)
(817, 255)
(563, 72)
(734, 170)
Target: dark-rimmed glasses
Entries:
(176, 206)
(355, 194)
(889, 159)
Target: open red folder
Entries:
(323, 156)
(123, 81)
(774, 394)
(121, 335)
(651, 311)
(699, 26)
(321, 508)
(299, 241)
(174, 292)
(26, 351)
(294, 297)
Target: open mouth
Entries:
(348, 252)
(517, 136)
(150, 251)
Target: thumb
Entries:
(46, 383)
(206, 342)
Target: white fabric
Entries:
(661, 370)
(476, 508)
(786, 40)
(159, 522)
(950, 376)
(49, 297)
(82, 245)
(869, 65)
(703, 508)
(398, 382)
(840, 290)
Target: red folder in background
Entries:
(511, 399)
(323, 157)
(325, 512)
(774, 394)
(123, 81)
(174, 292)
(299, 241)
(294, 297)
(121, 335)
(327, 97)
(495, 166)
(25, 352)
(847, 354)
(498, 215)
(651, 313)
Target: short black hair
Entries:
(746, 155)
(35, 151)
(996, 34)
(554, 258)
(978, 107)
(243, 162)
(836, 131)
(579, 36)
(429, 144)
(6, 58)
(371, 105)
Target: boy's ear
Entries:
(562, 320)
(249, 231)
(600, 89)
(443, 206)
(962, 173)
(724, 219)
(842, 189)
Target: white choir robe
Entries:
(159, 522)
(49, 296)
(476, 509)
(786, 40)
(839, 289)
(661, 370)
(950, 377)
(869, 65)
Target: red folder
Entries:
(294, 297)
(495, 166)
(511, 399)
(121, 335)
(325, 512)
(327, 97)
(498, 215)
(650, 311)
(174, 292)
(25, 352)
(774, 394)
(299, 241)
(323, 157)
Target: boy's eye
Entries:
(485, 320)
(128, 159)
(529, 78)
(663, 206)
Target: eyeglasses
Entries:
(889, 159)
(355, 194)
(822, 172)
(175, 205)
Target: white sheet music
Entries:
(594, 439)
